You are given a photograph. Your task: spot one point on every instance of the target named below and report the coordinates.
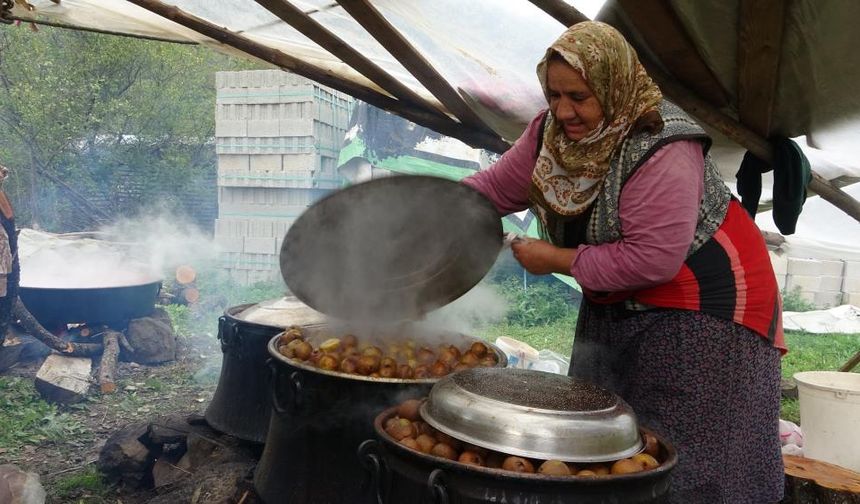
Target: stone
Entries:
(153, 341)
(64, 379)
(20, 487)
(165, 471)
(125, 458)
(213, 484)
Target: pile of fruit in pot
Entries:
(407, 428)
(400, 359)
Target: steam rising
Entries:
(129, 252)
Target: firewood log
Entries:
(32, 326)
(185, 274)
(107, 366)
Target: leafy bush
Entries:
(792, 301)
(538, 304)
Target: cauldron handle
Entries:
(368, 455)
(436, 487)
(227, 332)
(295, 383)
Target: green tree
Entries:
(95, 126)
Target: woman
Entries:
(681, 314)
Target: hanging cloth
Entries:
(791, 175)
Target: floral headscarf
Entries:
(569, 174)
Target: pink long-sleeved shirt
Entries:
(658, 209)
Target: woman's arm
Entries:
(659, 210)
(506, 182)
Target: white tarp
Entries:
(488, 49)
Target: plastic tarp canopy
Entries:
(487, 50)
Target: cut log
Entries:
(32, 326)
(191, 295)
(107, 365)
(64, 379)
(185, 274)
(811, 480)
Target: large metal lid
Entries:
(281, 312)
(392, 248)
(533, 414)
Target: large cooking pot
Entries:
(241, 404)
(114, 306)
(319, 418)
(402, 475)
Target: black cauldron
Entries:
(319, 418)
(402, 475)
(241, 404)
(114, 306)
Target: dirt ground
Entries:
(182, 387)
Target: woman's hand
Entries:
(540, 257)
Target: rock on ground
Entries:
(19, 487)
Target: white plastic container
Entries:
(830, 416)
(520, 354)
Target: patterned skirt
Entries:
(710, 386)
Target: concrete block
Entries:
(850, 284)
(264, 128)
(226, 243)
(814, 267)
(804, 282)
(263, 94)
(852, 269)
(831, 283)
(296, 127)
(266, 163)
(260, 245)
(827, 299)
(236, 128)
(780, 281)
(852, 298)
(779, 262)
(261, 229)
(234, 163)
(295, 162)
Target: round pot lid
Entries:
(533, 414)
(392, 248)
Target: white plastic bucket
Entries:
(830, 416)
(520, 354)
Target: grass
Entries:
(557, 336)
(814, 352)
(28, 420)
(87, 485)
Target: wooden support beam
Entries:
(386, 34)
(666, 37)
(435, 121)
(561, 11)
(739, 133)
(312, 29)
(759, 46)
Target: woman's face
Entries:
(571, 101)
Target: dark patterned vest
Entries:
(604, 225)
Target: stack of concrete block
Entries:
(818, 281)
(851, 283)
(278, 136)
